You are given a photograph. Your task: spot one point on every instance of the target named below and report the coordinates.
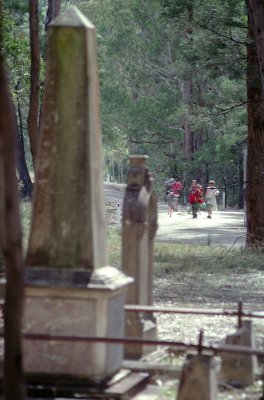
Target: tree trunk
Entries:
(188, 134)
(256, 15)
(26, 186)
(241, 180)
(224, 190)
(33, 114)
(188, 96)
(53, 10)
(255, 159)
(14, 388)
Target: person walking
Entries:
(210, 198)
(170, 200)
(168, 186)
(195, 197)
(177, 188)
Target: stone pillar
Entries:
(198, 379)
(68, 222)
(239, 369)
(139, 225)
(70, 290)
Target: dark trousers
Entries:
(195, 208)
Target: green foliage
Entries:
(147, 49)
(16, 48)
(114, 247)
(17, 6)
(16, 51)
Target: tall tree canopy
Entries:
(173, 84)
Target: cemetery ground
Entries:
(203, 264)
(197, 274)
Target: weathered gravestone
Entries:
(139, 225)
(69, 289)
(240, 369)
(198, 379)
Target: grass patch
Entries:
(114, 241)
(180, 257)
(171, 256)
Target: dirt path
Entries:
(200, 289)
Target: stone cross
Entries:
(68, 222)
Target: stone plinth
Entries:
(198, 379)
(77, 305)
(239, 369)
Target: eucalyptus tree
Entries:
(213, 42)
(24, 46)
(137, 80)
(255, 92)
(11, 240)
(53, 10)
(34, 98)
(172, 77)
(17, 56)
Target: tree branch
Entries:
(231, 108)
(222, 35)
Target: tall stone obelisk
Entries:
(68, 227)
(69, 289)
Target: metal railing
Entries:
(240, 313)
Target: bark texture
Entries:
(14, 388)
(33, 114)
(255, 159)
(256, 15)
(188, 134)
(53, 10)
(26, 187)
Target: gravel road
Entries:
(226, 228)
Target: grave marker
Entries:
(70, 290)
(139, 225)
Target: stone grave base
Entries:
(73, 304)
(143, 328)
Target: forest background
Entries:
(175, 84)
(181, 81)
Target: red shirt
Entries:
(177, 187)
(196, 195)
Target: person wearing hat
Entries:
(210, 198)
